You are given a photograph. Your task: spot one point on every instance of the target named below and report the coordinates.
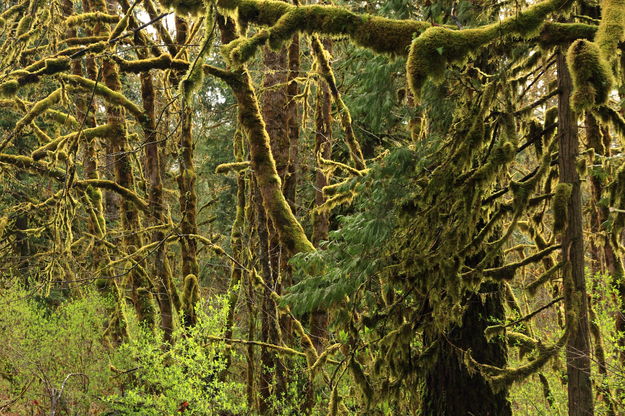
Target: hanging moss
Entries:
(376, 33)
(190, 297)
(91, 19)
(555, 33)
(591, 75)
(186, 7)
(612, 118)
(611, 28)
(560, 205)
(145, 308)
(333, 202)
(438, 46)
(8, 89)
(164, 61)
(532, 288)
(501, 378)
(232, 167)
(38, 108)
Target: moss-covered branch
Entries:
(164, 61)
(113, 97)
(439, 46)
(377, 33)
(289, 229)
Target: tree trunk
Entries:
(449, 389)
(574, 283)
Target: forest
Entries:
(309, 207)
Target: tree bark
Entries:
(580, 396)
(448, 388)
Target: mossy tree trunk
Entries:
(321, 220)
(448, 387)
(187, 178)
(574, 282)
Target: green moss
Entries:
(145, 308)
(38, 108)
(185, 7)
(113, 97)
(555, 33)
(9, 88)
(611, 28)
(438, 46)
(232, 167)
(379, 34)
(591, 75)
(23, 25)
(90, 19)
(560, 205)
(164, 61)
(190, 297)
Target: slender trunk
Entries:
(580, 394)
(321, 220)
(187, 178)
(120, 156)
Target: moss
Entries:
(501, 378)
(23, 25)
(611, 28)
(90, 19)
(190, 297)
(376, 33)
(290, 231)
(560, 205)
(438, 46)
(113, 97)
(532, 288)
(612, 118)
(145, 308)
(9, 88)
(232, 167)
(85, 40)
(185, 7)
(555, 33)
(164, 61)
(333, 202)
(38, 108)
(591, 75)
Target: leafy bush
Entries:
(157, 379)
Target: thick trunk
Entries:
(574, 282)
(448, 387)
